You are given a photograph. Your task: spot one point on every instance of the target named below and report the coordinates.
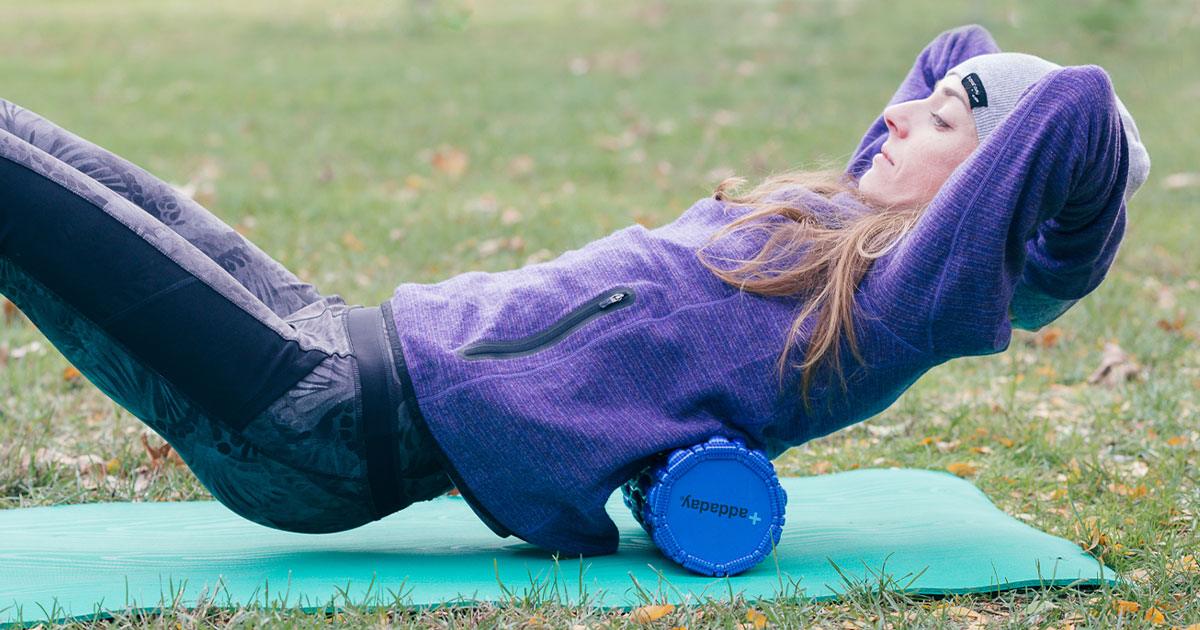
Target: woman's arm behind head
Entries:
(1059, 157)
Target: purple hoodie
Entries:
(550, 385)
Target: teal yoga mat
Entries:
(914, 530)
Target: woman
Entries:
(538, 391)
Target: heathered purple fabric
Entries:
(539, 442)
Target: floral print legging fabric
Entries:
(244, 369)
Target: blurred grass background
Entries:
(371, 143)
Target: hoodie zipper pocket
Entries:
(612, 300)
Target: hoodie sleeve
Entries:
(947, 50)
(1066, 259)
(1045, 188)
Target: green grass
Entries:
(313, 123)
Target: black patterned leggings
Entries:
(245, 370)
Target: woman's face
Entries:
(927, 140)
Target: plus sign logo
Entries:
(754, 518)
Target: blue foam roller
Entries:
(716, 508)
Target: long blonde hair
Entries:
(822, 264)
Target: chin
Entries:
(865, 181)
(866, 189)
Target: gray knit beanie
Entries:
(994, 83)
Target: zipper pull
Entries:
(612, 299)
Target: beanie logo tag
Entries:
(975, 92)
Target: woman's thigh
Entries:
(262, 409)
(296, 466)
(263, 276)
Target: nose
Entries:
(893, 117)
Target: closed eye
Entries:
(938, 121)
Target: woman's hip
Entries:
(350, 418)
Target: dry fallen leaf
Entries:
(11, 311)
(1173, 325)
(1124, 606)
(646, 614)
(510, 216)
(625, 62)
(541, 255)
(31, 348)
(1047, 372)
(957, 612)
(1175, 181)
(946, 447)
(520, 165)
(887, 430)
(1116, 366)
(1141, 576)
(84, 464)
(1186, 564)
(160, 454)
(494, 245)
(1094, 541)
(1048, 337)
(415, 182)
(352, 242)
(1154, 615)
(201, 187)
(1126, 491)
(962, 469)
(450, 160)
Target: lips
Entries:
(886, 156)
